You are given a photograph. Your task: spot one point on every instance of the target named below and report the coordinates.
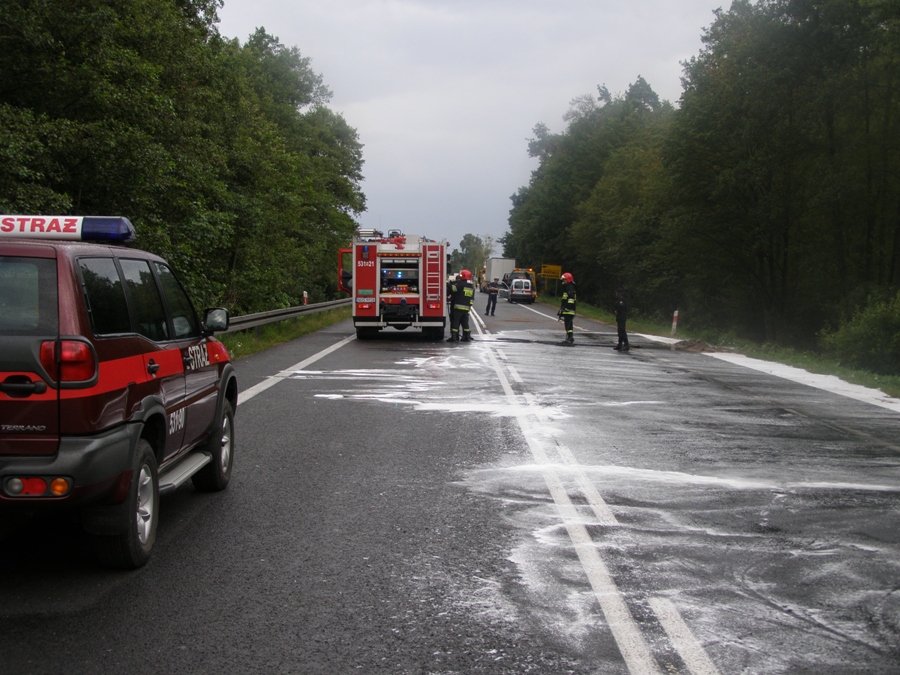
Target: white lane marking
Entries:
(659, 338)
(601, 509)
(827, 382)
(480, 325)
(682, 638)
(245, 396)
(558, 320)
(599, 506)
(515, 374)
(628, 637)
(532, 309)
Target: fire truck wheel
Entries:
(366, 333)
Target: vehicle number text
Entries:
(176, 421)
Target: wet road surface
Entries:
(508, 505)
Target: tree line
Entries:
(225, 155)
(472, 253)
(766, 205)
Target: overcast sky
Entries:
(445, 93)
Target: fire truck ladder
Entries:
(433, 280)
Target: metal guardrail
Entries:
(274, 316)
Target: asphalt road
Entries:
(511, 505)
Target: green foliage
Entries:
(870, 340)
(594, 203)
(472, 253)
(28, 163)
(225, 156)
(764, 206)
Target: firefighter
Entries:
(493, 289)
(450, 282)
(620, 309)
(567, 307)
(462, 297)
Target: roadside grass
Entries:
(246, 342)
(809, 361)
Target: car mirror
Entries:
(216, 320)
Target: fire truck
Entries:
(398, 280)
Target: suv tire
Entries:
(214, 476)
(131, 548)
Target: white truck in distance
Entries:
(496, 268)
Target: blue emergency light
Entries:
(107, 228)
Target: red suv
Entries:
(112, 391)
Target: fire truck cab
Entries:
(397, 280)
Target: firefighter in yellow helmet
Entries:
(567, 308)
(462, 297)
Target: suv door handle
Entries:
(152, 367)
(23, 388)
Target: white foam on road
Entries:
(825, 382)
(617, 474)
(495, 409)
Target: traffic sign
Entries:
(551, 271)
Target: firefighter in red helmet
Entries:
(462, 297)
(567, 308)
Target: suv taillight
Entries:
(76, 360)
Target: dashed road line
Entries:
(629, 638)
(632, 645)
(682, 638)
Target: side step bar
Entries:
(175, 476)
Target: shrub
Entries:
(870, 339)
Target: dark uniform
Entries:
(462, 297)
(621, 311)
(567, 309)
(493, 289)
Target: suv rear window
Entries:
(28, 296)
